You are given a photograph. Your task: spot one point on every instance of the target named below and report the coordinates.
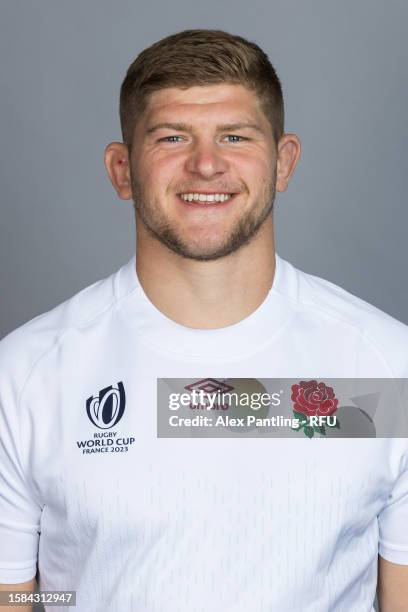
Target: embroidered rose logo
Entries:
(312, 399)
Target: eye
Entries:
(170, 139)
(235, 138)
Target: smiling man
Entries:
(134, 521)
(204, 205)
(205, 169)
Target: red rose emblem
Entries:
(314, 399)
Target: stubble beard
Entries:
(162, 230)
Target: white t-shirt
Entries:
(203, 524)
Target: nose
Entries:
(206, 160)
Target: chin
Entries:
(204, 251)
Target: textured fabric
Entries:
(152, 524)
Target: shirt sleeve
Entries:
(19, 513)
(393, 520)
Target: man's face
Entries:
(203, 169)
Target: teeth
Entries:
(202, 197)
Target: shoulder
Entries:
(378, 331)
(22, 348)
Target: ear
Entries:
(289, 148)
(117, 166)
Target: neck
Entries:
(206, 295)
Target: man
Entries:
(133, 521)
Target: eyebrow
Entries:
(184, 127)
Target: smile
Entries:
(206, 197)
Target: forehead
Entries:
(228, 102)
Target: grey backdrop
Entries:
(343, 69)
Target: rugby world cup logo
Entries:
(106, 409)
